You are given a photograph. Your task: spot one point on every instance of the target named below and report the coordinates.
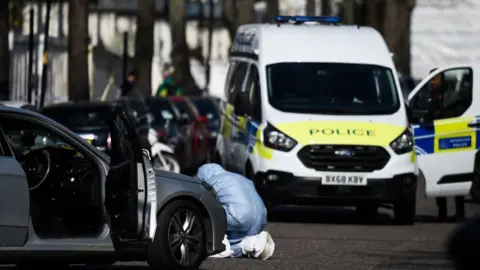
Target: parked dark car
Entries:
(172, 129)
(208, 108)
(88, 119)
(18, 104)
(137, 110)
(197, 126)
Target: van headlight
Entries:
(403, 143)
(275, 139)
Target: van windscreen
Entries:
(332, 88)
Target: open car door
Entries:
(130, 188)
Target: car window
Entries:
(332, 88)
(24, 136)
(78, 117)
(236, 80)
(253, 89)
(206, 108)
(451, 88)
(162, 111)
(184, 109)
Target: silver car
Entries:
(63, 201)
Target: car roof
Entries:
(80, 104)
(275, 43)
(16, 104)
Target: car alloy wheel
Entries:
(185, 237)
(181, 239)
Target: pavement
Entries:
(333, 238)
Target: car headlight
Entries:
(275, 139)
(210, 189)
(403, 143)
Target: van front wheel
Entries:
(404, 211)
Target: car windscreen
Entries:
(78, 117)
(137, 108)
(332, 88)
(185, 112)
(162, 111)
(206, 108)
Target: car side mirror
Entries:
(241, 104)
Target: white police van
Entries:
(314, 114)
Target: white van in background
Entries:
(314, 114)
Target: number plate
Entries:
(344, 180)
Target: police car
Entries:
(314, 114)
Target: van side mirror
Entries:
(242, 104)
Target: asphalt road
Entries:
(332, 238)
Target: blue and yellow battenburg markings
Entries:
(446, 136)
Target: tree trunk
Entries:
(4, 52)
(373, 14)
(78, 41)
(272, 10)
(180, 53)
(144, 46)
(310, 8)
(326, 8)
(349, 11)
(245, 12)
(396, 30)
(230, 17)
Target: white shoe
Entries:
(269, 248)
(227, 252)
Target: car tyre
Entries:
(258, 186)
(404, 211)
(475, 189)
(180, 239)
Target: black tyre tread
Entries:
(404, 213)
(367, 211)
(159, 255)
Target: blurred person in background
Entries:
(436, 93)
(246, 213)
(128, 88)
(168, 87)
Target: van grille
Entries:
(344, 158)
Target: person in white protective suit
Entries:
(246, 213)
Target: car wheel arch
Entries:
(206, 215)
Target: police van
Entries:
(314, 114)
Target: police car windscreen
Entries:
(332, 88)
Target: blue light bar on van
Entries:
(302, 19)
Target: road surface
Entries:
(331, 239)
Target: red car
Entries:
(197, 126)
